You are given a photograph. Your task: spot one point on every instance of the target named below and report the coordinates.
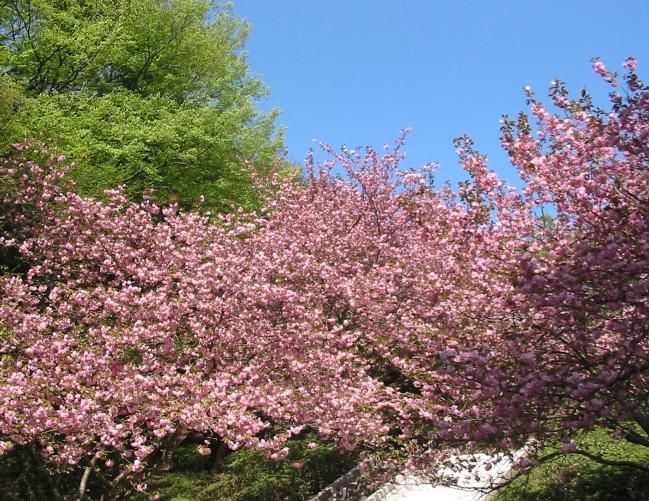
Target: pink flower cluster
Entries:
(366, 307)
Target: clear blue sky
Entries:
(357, 71)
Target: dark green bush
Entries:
(250, 476)
(187, 460)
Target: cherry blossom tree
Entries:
(134, 325)
(584, 296)
(488, 323)
(543, 322)
(362, 302)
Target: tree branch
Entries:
(86, 476)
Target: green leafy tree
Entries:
(148, 93)
(11, 102)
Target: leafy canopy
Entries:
(151, 93)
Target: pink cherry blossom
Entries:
(374, 308)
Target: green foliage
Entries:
(575, 477)
(12, 102)
(150, 93)
(246, 476)
(18, 479)
(249, 476)
(187, 460)
(188, 50)
(181, 150)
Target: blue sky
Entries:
(356, 72)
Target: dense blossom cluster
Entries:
(370, 307)
(562, 345)
(135, 325)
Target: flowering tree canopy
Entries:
(135, 325)
(372, 307)
(557, 341)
